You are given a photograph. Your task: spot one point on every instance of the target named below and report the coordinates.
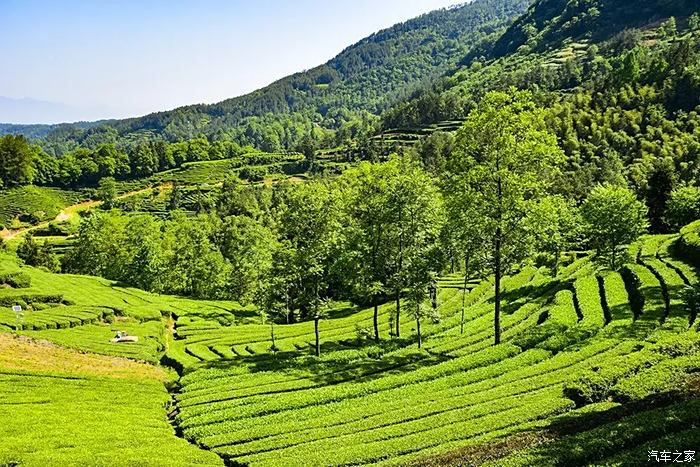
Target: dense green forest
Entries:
(26, 163)
(548, 23)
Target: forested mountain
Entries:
(364, 77)
(547, 49)
(621, 100)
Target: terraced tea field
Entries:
(595, 367)
(33, 207)
(216, 171)
(44, 203)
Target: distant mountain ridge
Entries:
(40, 130)
(366, 76)
(22, 115)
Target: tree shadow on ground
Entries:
(512, 300)
(333, 368)
(344, 312)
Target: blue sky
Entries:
(116, 58)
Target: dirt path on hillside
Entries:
(70, 211)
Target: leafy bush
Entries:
(19, 280)
(683, 206)
(593, 446)
(691, 296)
(9, 300)
(253, 174)
(35, 254)
(688, 245)
(667, 375)
(595, 385)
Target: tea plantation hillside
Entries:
(471, 239)
(595, 367)
(35, 207)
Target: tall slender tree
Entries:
(462, 232)
(369, 247)
(417, 214)
(392, 207)
(507, 160)
(310, 229)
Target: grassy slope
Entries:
(84, 312)
(63, 407)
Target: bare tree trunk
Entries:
(464, 291)
(497, 257)
(398, 313)
(286, 307)
(317, 317)
(272, 335)
(374, 267)
(398, 285)
(497, 311)
(318, 336)
(420, 338)
(375, 319)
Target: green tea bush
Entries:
(19, 280)
(9, 299)
(596, 445)
(595, 385)
(667, 375)
(115, 419)
(688, 245)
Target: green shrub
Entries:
(18, 280)
(688, 245)
(633, 285)
(678, 345)
(253, 174)
(24, 299)
(35, 254)
(683, 206)
(595, 385)
(665, 376)
(593, 446)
